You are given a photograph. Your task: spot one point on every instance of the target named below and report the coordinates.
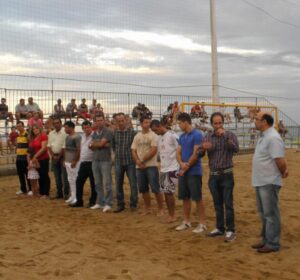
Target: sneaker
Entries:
(200, 228)
(30, 193)
(19, 192)
(229, 236)
(69, 200)
(183, 226)
(215, 233)
(96, 206)
(106, 208)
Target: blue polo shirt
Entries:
(187, 141)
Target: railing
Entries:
(113, 102)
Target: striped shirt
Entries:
(22, 145)
(221, 154)
(122, 141)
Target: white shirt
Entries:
(264, 169)
(57, 140)
(86, 154)
(167, 145)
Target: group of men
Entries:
(76, 158)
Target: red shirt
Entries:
(36, 144)
(13, 136)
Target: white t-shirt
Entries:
(142, 143)
(167, 145)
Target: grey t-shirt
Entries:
(103, 154)
(72, 143)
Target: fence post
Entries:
(128, 102)
(160, 106)
(52, 96)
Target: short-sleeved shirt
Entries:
(187, 141)
(57, 141)
(32, 122)
(3, 108)
(13, 136)
(269, 146)
(36, 144)
(71, 107)
(71, 146)
(167, 145)
(33, 107)
(22, 145)
(21, 108)
(142, 143)
(82, 108)
(104, 153)
(122, 141)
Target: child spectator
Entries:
(11, 141)
(33, 174)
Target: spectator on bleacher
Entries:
(39, 143)
(12, 138)
(93, 108)
(145, 111)
(136, 111)
(59, 110)
(21, 159)
(33, 107)
(196, 111)
(21, 110)
(83, 111)
(71, 110)
(237, 114)
(175, 110)
(226, 115)
(35, 120)
(169, 109)
(97, 111)
(281, 129)
(4, 114)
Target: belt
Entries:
(221, 171)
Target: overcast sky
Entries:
(156, 43)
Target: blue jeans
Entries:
(221, 188)
(103, 180)
(267, 206)
(61, 179)
(131, 174)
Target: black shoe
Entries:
(119, 209)
(76, 204)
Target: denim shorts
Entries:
(190, 187)
(146, 177)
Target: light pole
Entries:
(214, 54)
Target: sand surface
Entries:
(45, 239)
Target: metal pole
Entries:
(214, 54)
(52, 93)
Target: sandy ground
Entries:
(45, 239)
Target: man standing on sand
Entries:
(56, 145)
(167, 145)
(268, 168)
(190, 175)
(102, 164)
(144, 153)
(221, 145)
(122, 139)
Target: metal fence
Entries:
(113, 102)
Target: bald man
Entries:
(268, 168)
